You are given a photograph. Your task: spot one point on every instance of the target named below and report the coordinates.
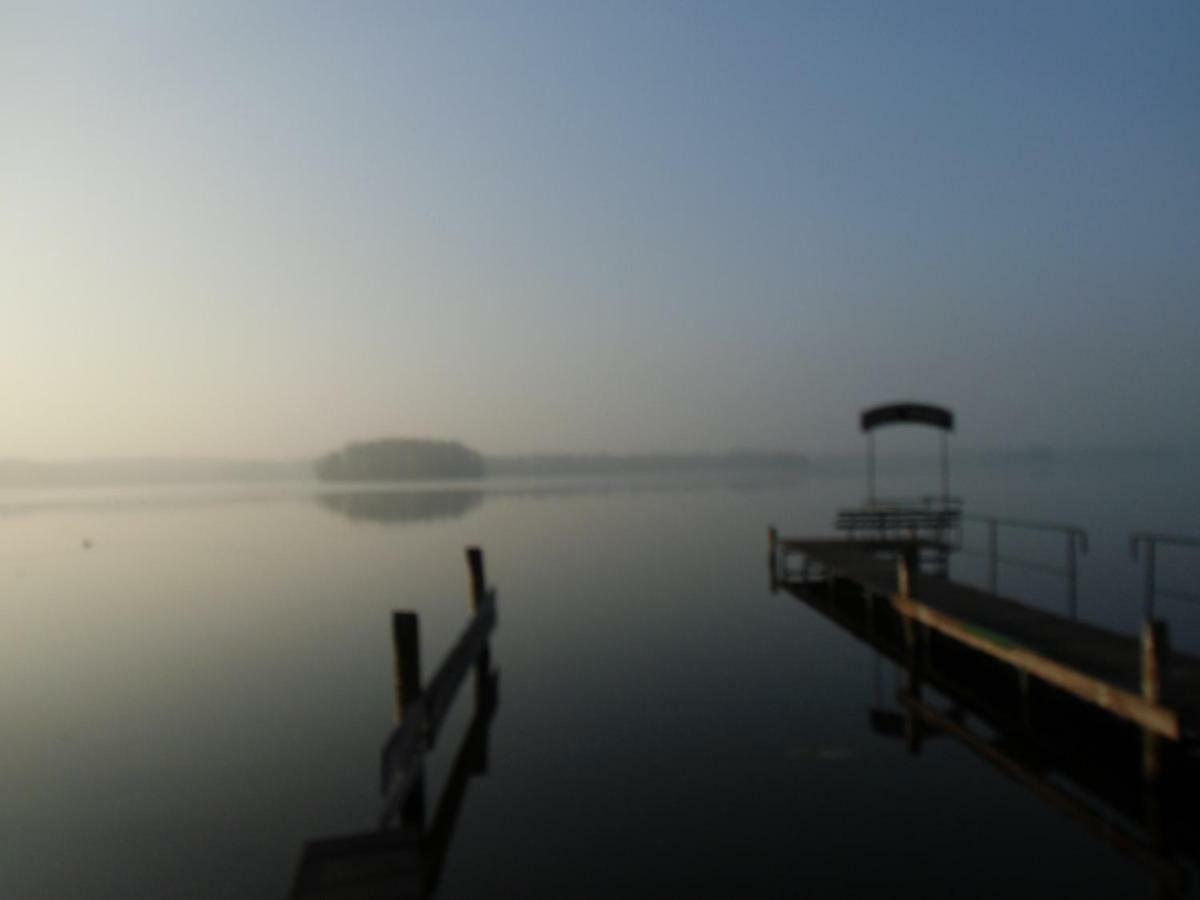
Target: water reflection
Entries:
(1072, 756)
(405, 855)
(378, 502)
(396, 507)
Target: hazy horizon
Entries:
(910, 446)
(260, 231)
(897, 451)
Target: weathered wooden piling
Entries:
(406, 661)
(908, 565)
(1155, 668)
(1156, 660)
(406, 665)
(478, 577)
(479, 594)
(1024, 694)
(1074, 540)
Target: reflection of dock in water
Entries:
(1134, 679)
(1071, 755)
(403, 857)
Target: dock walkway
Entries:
(1136, 679)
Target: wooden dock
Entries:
(1133, 678)
(1070, 755)
(403, 857)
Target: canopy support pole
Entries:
(870, 468)
(945, 470)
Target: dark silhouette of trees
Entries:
(399, 459)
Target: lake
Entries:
(196, 681)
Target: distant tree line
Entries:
(399, 459)
(149, 470)
(614, 464)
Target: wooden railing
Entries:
(421, 711)
(403, 856)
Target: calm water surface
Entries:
(204, 685)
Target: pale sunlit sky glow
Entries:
(252, 229)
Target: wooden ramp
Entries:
(1135, 679)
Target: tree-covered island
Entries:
(399, 459)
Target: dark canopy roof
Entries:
(910, 413)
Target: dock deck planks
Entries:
(1097, 665)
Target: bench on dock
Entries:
(897, 520)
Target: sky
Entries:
(263, 230)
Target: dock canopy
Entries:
(910, 413)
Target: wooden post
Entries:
(1148, 590)
(870, 468)
(993, 557)
(1071, 593)
(406, 661)
(483, 662)
(412, 810)
(1156, 662)
(913, 733)
(945, 470)
(1023, 690)
(908, 563)
(478, 578)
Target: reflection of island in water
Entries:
(396, 507)
(399, 505)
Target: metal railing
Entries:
(1076, 543)
(1150, 540)
(924, 501)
